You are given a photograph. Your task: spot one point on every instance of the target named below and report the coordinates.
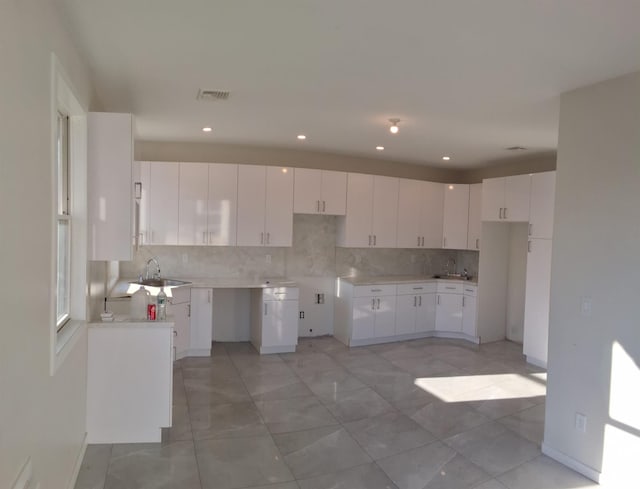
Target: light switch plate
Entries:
(585, 306)
(581, 422)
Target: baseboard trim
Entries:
(412, 336)
(572, 463)
(78, 463)
(536, 362)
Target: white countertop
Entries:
(127, 322)
(124, 286)
(402, 279)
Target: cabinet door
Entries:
(142, 174)
(334, 193)
(475, 220)
(543, 193)
(456, 216)
(222, 204)
(163, 203)
(406, 309)
(307, 191)
(357, 228)
(201, 320)
(432, 214)
(536, 306)
(410, 207)
(279, 207)
(280, 323)
(517, 192)
(179, 313)
(449, 312)
(109, 193)
(385, 211)
(426, 313)
(469, 315)
(363, 318)
(385, 321)
(251, 205)
(192, 216)
(492, 198)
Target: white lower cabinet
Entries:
(469, 310)
(179, 311)
(274, 319)
(379, 313)
(201, 324)
(415, 308)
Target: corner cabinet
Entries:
(110, 195)
(506, 199)
(274, 319)
(420, 211)
(372, 211)
(320, 192)
(456, 216)
(265, 206)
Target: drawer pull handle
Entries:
(450, 288)
(418, 288)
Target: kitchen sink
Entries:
(453, 276)
(160, 282)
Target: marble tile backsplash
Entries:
(313, 254)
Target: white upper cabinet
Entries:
(265, 206)
(456, 216)
(279, 206)
(320, 192)
(506, 198)
(420, 213)
(110, 202)
(193, 195)
(208, 200)
(475, 216)
(159, 203)
(543, 193)
(372, 207)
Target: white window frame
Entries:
(65, 335)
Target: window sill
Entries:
(65, 341)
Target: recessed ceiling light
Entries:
(394, 126)
(450, 187)
(206, 129)
(302, 137)
(380, 148)
(446, 158)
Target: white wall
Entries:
(596, 254)
(41, 417)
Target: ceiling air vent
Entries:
(212, 95)
(516, 148)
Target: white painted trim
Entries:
(414, 336)
(78, 464)
(265, 350)
(536, 362)
(197, 352)
(572, 463)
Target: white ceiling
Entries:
(467, 78)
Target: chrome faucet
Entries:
(157, 272)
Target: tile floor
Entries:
(420, 414)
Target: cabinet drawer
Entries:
(417, 288)
(280, 293)
(446, 287)
(374, 290)
(470, 290)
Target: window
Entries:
(63, 222)
(69, 216)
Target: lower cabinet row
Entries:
(390, 312)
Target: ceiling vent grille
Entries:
(516, 148)
(212, 95)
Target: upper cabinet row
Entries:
(215, 204)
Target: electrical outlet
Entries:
(581, 422)
(320, 298)
(301, 314)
